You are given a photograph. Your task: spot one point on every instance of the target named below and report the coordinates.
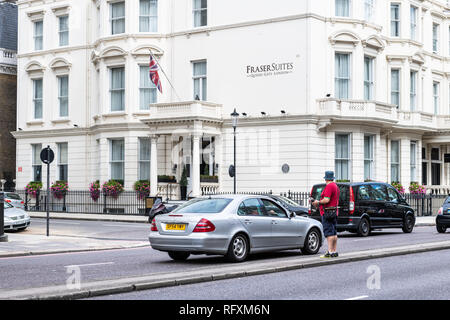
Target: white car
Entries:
(15, 218)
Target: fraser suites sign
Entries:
(273, 69)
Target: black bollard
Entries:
(3, 236)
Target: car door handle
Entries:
(246, 221)
(274, 222)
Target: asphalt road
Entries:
(423, 276)
(47, 270)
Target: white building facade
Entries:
(358, 87)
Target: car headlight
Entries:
(7, 219)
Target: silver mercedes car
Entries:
(15, 218)
(234, 226)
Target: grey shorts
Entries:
(329, 227)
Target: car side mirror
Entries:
(292, 215)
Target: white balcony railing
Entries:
(186, 109)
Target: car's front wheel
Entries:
(440, 228)
(238, 248)
(179, 255)
(312, 242)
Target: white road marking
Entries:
(89, 264)
(126, 226)
(357, 298)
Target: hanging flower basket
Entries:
(398, 186)
(33, 188)
(94, 190)
(417, 189)
(59, 189)
(142, 188)
(112, 188)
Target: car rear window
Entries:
(13, 196)
(343, 192)
(214, 205)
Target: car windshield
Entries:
(288, 201)
(6, 205)
(214, 205)
(13, 196)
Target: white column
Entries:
(196, 192)
(153, 165)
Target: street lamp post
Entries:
(234, 121)
(3, 237)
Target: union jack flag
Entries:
(154, 75)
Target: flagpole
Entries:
(168, 80)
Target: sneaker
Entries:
(326, 255)
(334, 255)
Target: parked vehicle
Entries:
(443, 216)
(366, 206)
(159, 208)
(233, 226)
(14, 199)
(291, 205)
(15, 218)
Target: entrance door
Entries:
(435, 174)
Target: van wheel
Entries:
(179, 255)
(408, 224)
(312, 242)
(441, 229)
(364, 227)
(238, 249)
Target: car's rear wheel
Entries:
(441, 229)
(179, 255)
(238, 249)
(312, 242)
(364, 227)
(408, 224)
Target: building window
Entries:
(118, 17)
(200, 13)
(117, 89)
(144, 159)
(342, 79)
(117, 157)
(368, 78)
(413, 23)
(395, 20)
(395, 87)
(436, 97)
(395, 161)
(200, 88)
(435, 37)
(412, 161)
(63, 31)
(148, 16)
(62, 161)
(342, 8)
(37, 98)
(369, 10)
(368, 157)
(342, 157)
(38, 35)
(147, 90)
(63, 96)
(36, 161)
(413, 90)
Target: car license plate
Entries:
(175, 226)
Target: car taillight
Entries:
(7, 200)
(21, 202)
(204, 225)
(441, 210)
(153, 227)
(351, 207)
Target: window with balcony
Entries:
(342, 77)
(117, 159)
(395, 161)
(368, 78)
(117, 89)
(413, 90)
(62, 161)
(200, 87)
(117, 17)
(148, 15)
(342, 8)
(63, 31)
(368, 157)
(413, 23)
(395, 20)
(435, 38)
(342, 156)
(37, 98)
(38, 35)
(200, 10)
(63, 95)
(436, 97)
(36, 161)
(395, 87)
(147, 90)
(144, 159)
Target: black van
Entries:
(365, 206)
